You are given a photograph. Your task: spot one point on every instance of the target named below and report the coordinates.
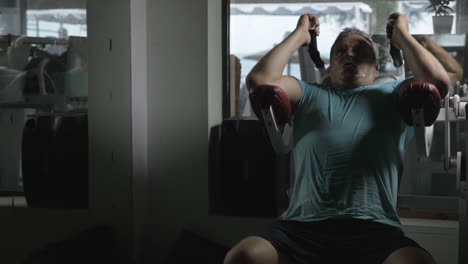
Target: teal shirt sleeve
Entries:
(308, 93)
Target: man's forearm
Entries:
(270, 68)
(424, 66)
(449, 63)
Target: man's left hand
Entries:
(397, 29)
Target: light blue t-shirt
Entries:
(347, 155)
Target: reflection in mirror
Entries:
(43, 103)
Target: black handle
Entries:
(396, 56)
(394, 51)
(313, 51)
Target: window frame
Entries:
(226, 7)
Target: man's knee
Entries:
(238, 256)
(252, 250)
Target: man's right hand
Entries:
(306, 23)
(269, 70)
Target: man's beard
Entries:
(351, 76)
(353, 79)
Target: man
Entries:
(349, 139)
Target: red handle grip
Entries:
(264, 96)
(414, 95)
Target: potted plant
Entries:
(442, 20)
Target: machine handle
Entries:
(313, 51)
(280, 140)
(271, 105)
(394, 51)
(447, 132)
(396, 56)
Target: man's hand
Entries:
(269, 70)
(306, 23)
(424, 66)
(398, 29)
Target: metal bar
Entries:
(34, 40)
(463, 227)
(447, 134)
(225, 58)
(23, 4)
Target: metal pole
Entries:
(35, 40)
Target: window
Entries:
(56, 22)
(43, 70)
(257, 26)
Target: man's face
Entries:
(353, 62)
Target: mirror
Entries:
(43, 103)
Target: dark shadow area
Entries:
(246, 177)
(193, 248)
(55, 160)
(95, 245)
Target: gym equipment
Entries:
(247, 177)
(419, 105)
(394, 51)
(55, 160)
(452, 115)
(271, 105)
(419, 97)
(315, 54)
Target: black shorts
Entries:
(335, 241)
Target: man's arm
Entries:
(424, 66)
(453, 68)
(269, 70)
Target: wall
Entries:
(177, 117)
(439, 237)
(138, 33)
(184, 101)
(110, 122)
